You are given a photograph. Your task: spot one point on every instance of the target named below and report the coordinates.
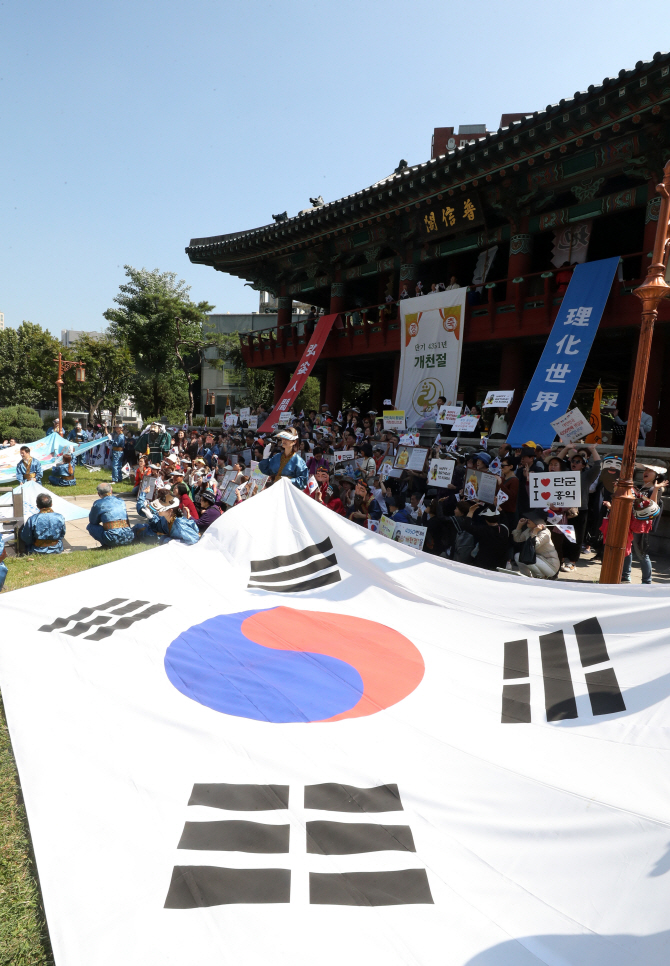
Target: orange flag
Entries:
(596, 423)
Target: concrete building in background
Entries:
(69, 336)
(2, 321)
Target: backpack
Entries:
(464, 546)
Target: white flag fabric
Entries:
(301, 742)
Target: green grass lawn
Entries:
(87, 482)
(24, 940)
(35, 568)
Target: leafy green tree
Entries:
(164, 332)
(109, 375)
(257, 383)
(27, 369)
(309, 396)
(20, 423)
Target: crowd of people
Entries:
(182, 480)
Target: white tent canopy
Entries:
(300, 742)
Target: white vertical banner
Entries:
(431, 340)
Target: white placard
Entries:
(465, 424)
(447, 414)
(386, 526)
(440, 472)
(410, 534)
(409, 439)
(253, 422)
(559, 489)
(498, 397)
(572, 426)
(231, 419)
(246, 456)
(411, 458)
(284, 418)
(345, 456)
(245, 412)
(394, 419)
(486, 490)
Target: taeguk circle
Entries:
(288, 665)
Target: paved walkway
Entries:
(587, 570)
(77, 536)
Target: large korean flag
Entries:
(299, 742)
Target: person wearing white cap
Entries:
(167, 521)
(289, 463)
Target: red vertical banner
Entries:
(303, 370)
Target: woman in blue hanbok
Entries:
(165, 520)
(62, 474)
(289, 463)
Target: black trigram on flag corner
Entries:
(114, 615)
(314, 566)
(559, 694)
(197, 886)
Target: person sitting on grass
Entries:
(165, 520)
(28, 468)
(62, 474)
(108, 519)
(43, 532)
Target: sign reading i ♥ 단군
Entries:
(499, 397)
(573, 426)
(394, 419)
(440, 472)
(447, 414)
(557, 489)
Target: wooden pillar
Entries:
(520, 256)
(511, 373)
(281, 382)
(652, 393)
(284, 315)
(337, 297)
(334, 386)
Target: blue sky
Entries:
(129, 127)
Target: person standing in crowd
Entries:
(546, 563)
(62, 474)
(78, 436)
(118, 444)
(641, 523)
(509, 485)
(528, 463)
(43, 532)
(491, 535)
(288, 463)
(499, 427)
(316, 461)
(154, 442)
(210, 510)
(588, 472)
(27, 468)
(108, 519)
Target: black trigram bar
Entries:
(333, 797)
(591, 641)
(405, 887)
(604, 691)
(331, 578)
(240, 798)
(273, 562)
(515, 704)
(516, 659)
(195, 886)
(124, 622)
(559, 695)
(323, 563)
(129, 608)
(351, 838)
(235, 836)
(80, 615)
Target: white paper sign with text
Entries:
(559, 489)
(441, 472)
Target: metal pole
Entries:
(652, 291)
(59, 384)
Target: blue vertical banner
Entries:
(561, 365)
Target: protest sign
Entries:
(409, 439)
(245, 412)
(253, 422)
(246, 456)
(386, 526)
(572, 426)
(447, 414)
(147, 487)
(440, 472)
(480, 485)
(387, 468)
(230, 419)
(500, 397)
(410, 534)
(345, 456)
(411, 458)
(394, 419)
(284, 418)
(464, 424)
(559, 489)
(256, 482)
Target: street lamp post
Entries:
(652, 291)
(63, 366)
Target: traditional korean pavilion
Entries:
(590, 162)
